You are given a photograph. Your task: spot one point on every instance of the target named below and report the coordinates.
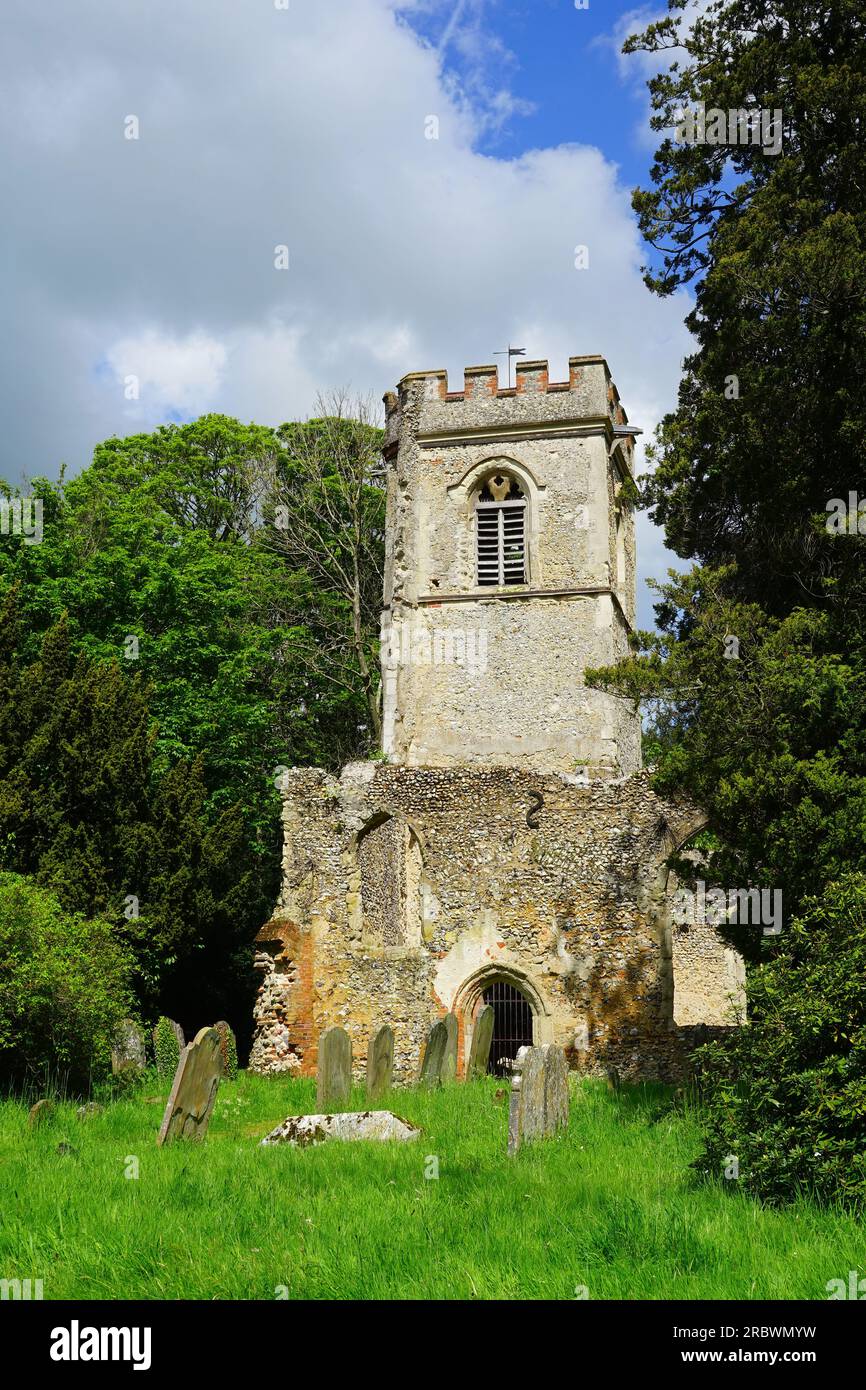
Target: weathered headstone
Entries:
(449, 1060)
(193, 1090)
(228, 1050)
(127, 1047)
(532, 1095)
(168, 1044)
(434, 1055)
(380, 1063)
(303, 1130)
(334, 1071)
(482, 1037)
(40, 1112)
(87, 1112)
(526, 1108)
(555, 1090)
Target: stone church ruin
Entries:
(507, 849)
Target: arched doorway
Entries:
(512, 1024)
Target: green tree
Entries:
(85, 810)
(327, 514)
(65, 982)
(771, 234)
(771, 412)
(165, 623)
(755, 683)
(787, 1095)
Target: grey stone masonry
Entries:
(480, 673)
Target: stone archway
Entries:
(513, 1024)
(469, 1000)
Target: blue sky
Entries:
(563, 63)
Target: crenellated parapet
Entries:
(588, 399)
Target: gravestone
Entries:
(127, 1047)
(449, 1060)
(482, 1037)
(334, 1070)
(555, 1090)
(434, 1055)
(304, 1130)
(228, 1050)
(168, 1044)
(380, 1063)
(87, 1112)
(175, 1028)
(193, 1090)
(40, 1112)
(526, 1107)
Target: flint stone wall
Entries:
(574, 912)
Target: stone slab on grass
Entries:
(303, 1130)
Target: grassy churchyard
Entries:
(609, 1209)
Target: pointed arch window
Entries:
(500, 531)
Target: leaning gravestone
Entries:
(334, 1072)
(449, 1060)
(434, 1055)
(193, 1090)
(482, 1037)
(127, 1047)
(555, 1090)
(380, 1063)
(526, 1108)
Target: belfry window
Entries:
(500, 531)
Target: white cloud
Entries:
(171, 375)
(260, 127)
(464, 29)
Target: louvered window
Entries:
(500, 528)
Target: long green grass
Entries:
(611, 1207)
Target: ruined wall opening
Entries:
(512, 1024)
(391, 866)
(704, 977)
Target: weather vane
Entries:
(510, 352)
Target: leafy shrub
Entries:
(64, 986)
(786, 1094)
(228, 1050)
(166, 1047)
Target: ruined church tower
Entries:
(510, 568)
(504, 847)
